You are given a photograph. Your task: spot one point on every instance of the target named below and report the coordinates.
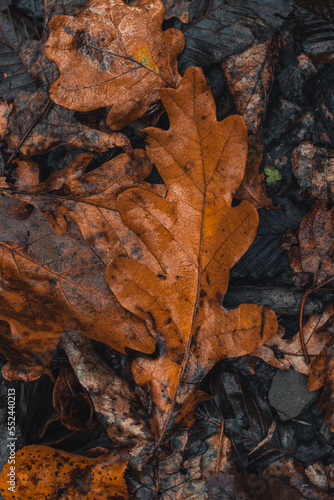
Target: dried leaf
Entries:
(46, 286)
(252, 188)
(71, 401)
(312, 252)
(177, 8)
(322, 375)
(220, 29)
(313, 167)
(198, 237)
(113, 54)
(36, 126)
(285, 353)
(115, 401)
(13, 75)
(316, 20)
(5, 109)
(250, 76)
(321, 475)
(320, 91)
(69, 7)
(293, 474)
(42, 472)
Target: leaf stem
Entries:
(301, 334)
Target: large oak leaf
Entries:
(55, 282)
(196, 236)
(113, 54)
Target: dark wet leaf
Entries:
(313, 167)
(316, 20)
(320, 92)
(218, 29)
(13, 75)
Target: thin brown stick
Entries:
(219, 446)
(301, 334)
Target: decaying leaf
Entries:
(322, 375)
(4, 113)
(36, 125)
(321, 475)
(313, 167)
(198, 236)
(320, 90)
(45, 280)
(42, 472)
(220, 29)
(113, 54)
(285, 353)
(252, 188)
(293, 474)
(177, 8)
(182, 474)
(13, 75)
(316, 21)
(311, 252)
(116, 403)
(250, 76)
(67, 7)
(71, 401)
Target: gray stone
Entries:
(288, 393)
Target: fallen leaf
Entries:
(36, 125)
(5, 109)
(252, 188)
(42, 472)
(321, 95)
(322, 375)
(115, 402)
(321, 475)
(316, 21)
(46, 286)
(183, 474)
(113, 54)
(198, 237)
(13, 75)
(313, 167)
(218, 30)
(311, 252)
(293, 474)
(26, 174)
(71, 401)
(250, 76)
(286, 353)
(69, 7)
(177, 8)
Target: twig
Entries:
(301, 334)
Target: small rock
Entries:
(288, 394)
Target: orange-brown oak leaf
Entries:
(43, 472)
(52, 278)
(113, 54)
(196, 236)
